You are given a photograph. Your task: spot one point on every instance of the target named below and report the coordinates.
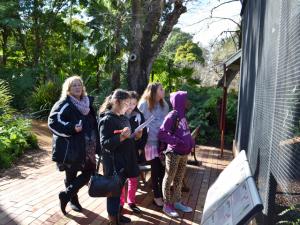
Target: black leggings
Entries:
(157, 176)
(74, 183)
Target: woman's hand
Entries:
(78, 127)
(125, 133)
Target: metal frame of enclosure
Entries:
(268, 118)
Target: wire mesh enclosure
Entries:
(268, 122)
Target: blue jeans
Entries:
(113, 205)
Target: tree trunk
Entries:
(116, 80)
(4, 45)
(22, 41)
(134, 61)
(36, 30)
(146, 47)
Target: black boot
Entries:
(122, 218)
(113, 220)
(74, 203)
(64, 199)
(134, 208)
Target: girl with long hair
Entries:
(117, 145)
(152, 103)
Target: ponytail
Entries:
(118, 94)
(106, 105)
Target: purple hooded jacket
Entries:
(181, 140)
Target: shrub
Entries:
(205, 113)
(290, 216)
(43, 98)
(21, 83)
(15, 134)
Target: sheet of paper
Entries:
(143, 125)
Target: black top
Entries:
(137, 118)
(69, 147)
(124, 152)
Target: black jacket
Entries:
(123, 152)
(68, 146)
(136, 119)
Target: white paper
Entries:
(143, 125)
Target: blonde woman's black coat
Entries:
(68, 146)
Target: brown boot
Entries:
(113, 220)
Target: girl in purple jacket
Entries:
(175, 132)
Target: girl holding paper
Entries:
(136, 118)
(153, 103)
(117, 147)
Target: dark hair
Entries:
(149, 95)
(134, 94)
(118, 94)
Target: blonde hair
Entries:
(149, 95)
(67, 86)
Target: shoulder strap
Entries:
(175, 119)
(98, 163)
(113, 162)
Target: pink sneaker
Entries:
(169, 210)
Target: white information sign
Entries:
(233, 198)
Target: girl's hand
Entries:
(138, 134)
(125, 133)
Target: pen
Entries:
(117, 131)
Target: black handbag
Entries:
(106, 186)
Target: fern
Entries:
(290, 216)
(6, 99)
(15, 134)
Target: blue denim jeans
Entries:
(113, 205)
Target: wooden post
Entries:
(223, 110)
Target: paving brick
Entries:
(36, 201)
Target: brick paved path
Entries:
(29, 191)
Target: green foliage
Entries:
(174, 65)
(290, 216)
(106, 87)
(21, 83)
(5, 99)
(43, 98)
(189, 53)
(173, 76)
(108, 18)
(9, 15)
(176, 38)
(221, 51)
(15, 135)
(204, 113)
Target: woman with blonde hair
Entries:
(73, 123)
(152, 103)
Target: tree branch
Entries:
(229, 31)
(152, 22)
(171, 20)
(216, 17)
(223, 3)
